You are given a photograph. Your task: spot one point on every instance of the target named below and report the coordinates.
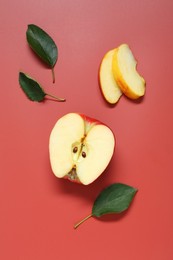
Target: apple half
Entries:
(125, 73)
(80, 148)
(109, 87)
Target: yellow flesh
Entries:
(100, 146)
(124, 70)
(109, 87)
(68, 130)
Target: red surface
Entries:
(37, 210)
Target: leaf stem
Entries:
(57, 98)
(83, 220)
(53, 75)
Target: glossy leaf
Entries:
(42, 44)
(114, 199)
(33, 90)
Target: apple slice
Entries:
(108, 84)
(125, 73)
(80, 148)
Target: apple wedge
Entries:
(125, 73)
(80, 148)
(108, 84)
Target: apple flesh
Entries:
(80, 148)
(109, 87)
(125, 73)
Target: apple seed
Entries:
(83, 154)
(75, 149)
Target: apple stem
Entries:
(57, 98)
(53, 75)
(83, 220)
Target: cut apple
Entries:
(108, 84)
(80, 148)
(125, 73)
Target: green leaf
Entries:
(43, 45)
(116, 198)
(33, 90)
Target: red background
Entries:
(37, 210)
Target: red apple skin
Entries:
(90, 119)
(94, 121)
